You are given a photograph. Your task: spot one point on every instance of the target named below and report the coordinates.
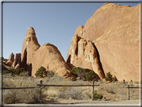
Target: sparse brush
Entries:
(72, 93)
(28, 96)
(50, 74)
(24, 73)
(97, 96)
(18, 71)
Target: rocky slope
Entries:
(114, 30)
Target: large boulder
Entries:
(114, 30)
(34, 56)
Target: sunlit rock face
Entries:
(114, 30)
(34, 56)
(83, 54)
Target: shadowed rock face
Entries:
(114, 29)
(34, 56)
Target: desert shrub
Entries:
(82, 73)
(74, 71)
(24, 73)
(97, 96)
(109, 77)
(50, 74)
(6, 72)
(90, 75)
(79, 72)
(40, 72)
(18, 71)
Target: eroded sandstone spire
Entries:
(34, 56)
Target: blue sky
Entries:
(53, 23)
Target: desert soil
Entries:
(63, 101)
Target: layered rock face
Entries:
(114, 29)
(34, 56)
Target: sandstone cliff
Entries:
(34, 56)
(114, 29)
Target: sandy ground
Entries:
(63, 101)
(81, 103)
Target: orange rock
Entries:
(34, 56)
(114, 29)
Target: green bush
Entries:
(18, 71)
(40, 72)
(74, 71)
(6, 72)
(90, 75)
(79, 72)
(109, 77)
(97, 96)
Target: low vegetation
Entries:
(109, 77)
(41, 72)
(14, 71)
(97, 96)
(90, 75)
(83, 74)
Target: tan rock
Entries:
(11, 57)
(17, 60)
(114, 29)
(34, 56)
(17, 66)
(83, 54)
(9, 63)
(10, 60)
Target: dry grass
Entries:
(27, 96)
(108, 90)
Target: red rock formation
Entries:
(17, 61)
(114, 29)
(10, 60)
(83, 54)
(34, 56)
